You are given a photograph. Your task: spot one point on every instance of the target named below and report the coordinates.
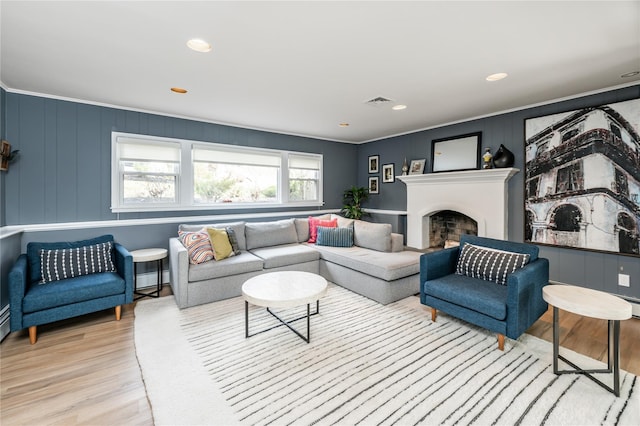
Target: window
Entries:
(570, 178)
(154, 174)
(148, 174)
(304, 177)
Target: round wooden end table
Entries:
(594, 304)
(284, 289)
(148, 255)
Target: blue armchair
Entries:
(507, 308)
(55, 281)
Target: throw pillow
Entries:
(220, 243)
(313, 227)
(335, 237)
(198, 246)
(60, 264)
(489, 264)
(233, 240)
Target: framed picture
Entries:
(582, 179)
(5, 153)
(373, 185)
(417, 167)
(456, 153)
(374, 163)
(387, 173)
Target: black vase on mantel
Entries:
(503, 158)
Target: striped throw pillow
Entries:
(335, 237)
(489, 264)
(60, 264)
(198, 246)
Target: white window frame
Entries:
(185, 180)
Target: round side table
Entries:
(594, 304)
(148, 255)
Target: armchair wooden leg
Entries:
(118, 312)
(33, 335)
(501, 342)
(434, 314)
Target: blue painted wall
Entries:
(585, 268)
(64, 171)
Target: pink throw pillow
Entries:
(313, 227)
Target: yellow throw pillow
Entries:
(220, 242)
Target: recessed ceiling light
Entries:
(398, 107)
(178, 90)
(497, 76)
(630, 74)
(199, 45)
(343, 124)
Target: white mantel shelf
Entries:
(488, 175)
(479, 194)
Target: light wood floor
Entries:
(85, 371)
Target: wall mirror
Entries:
(457, 153)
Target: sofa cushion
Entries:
(486, 297)
(238, 228)
(386, 266)
(374, 236)
(315, 222)
(488, 263)
(220, 243)
(267, 234)
(233, 240)
(343, 222)
(531, 249)
(72, 290)
(61, 264)
(198, 246)
(283, 255)
(244, 262)
(302, 229)
(335, 237)
(33, 252)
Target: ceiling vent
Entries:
(378, 101)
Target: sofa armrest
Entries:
(18, 286)
(397, 242)
(524, 296)
(179, 271)
(438, 264)
(124, 267)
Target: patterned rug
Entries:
(366, 364)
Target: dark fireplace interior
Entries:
(448, 225)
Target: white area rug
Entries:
(366, 364)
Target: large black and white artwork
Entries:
(582, 179)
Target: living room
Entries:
(59, 187)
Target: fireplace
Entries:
(481, 195)
(447, 226)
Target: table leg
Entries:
(556, 340)
(246, 319)
(616, 357)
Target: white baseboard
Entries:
(149, 279)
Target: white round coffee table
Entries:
(594, 304)
(284, 289)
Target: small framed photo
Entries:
(374, 163)
(373, 185)
(417, 167)
(387, 173)
(5, 153)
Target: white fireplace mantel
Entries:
(480, 194)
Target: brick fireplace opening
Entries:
(447, 226)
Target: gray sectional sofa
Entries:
(376, 266)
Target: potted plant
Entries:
(353, 199)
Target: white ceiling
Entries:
(304, 67)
